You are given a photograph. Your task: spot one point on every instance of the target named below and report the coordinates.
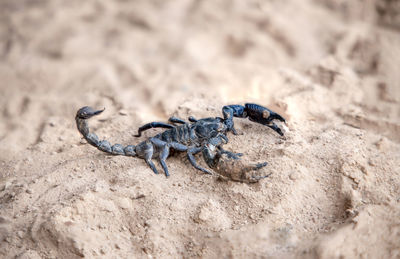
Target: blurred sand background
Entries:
(331, 67)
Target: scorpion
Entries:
(207, 135)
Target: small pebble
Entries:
(139, 196)
(371, 163)
(293, 176)
(123, 112)
(30, 191)
(101, 226)
(124, 203)
(20, 234)
(4, 220)
(6, 185)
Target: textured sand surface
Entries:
(331, 67)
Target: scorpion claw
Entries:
(254, 112)
(264, 116)
(261, 114)
(235, 132)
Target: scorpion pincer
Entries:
(206, 135)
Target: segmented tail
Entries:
(81, 119)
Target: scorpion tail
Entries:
(81, 118)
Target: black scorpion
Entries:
(206, 135)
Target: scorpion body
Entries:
(206, 135)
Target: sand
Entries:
(331, 68)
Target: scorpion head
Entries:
(87, 112)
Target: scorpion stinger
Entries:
(254, 112)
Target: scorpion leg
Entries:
(192, 119)
(152, 166)
(163, 156)
(230, 154)
(193, 151)
(153, 125)
(217, 142)
(178, 146)
(145, 150)
(164, 146)
(164, 153)
(174, 119)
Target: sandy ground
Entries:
(332, 68)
